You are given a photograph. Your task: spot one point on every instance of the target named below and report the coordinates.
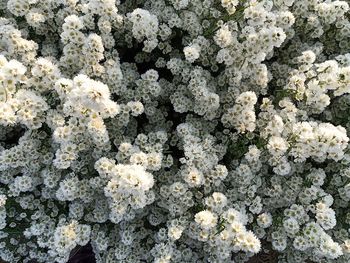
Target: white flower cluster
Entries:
(242, 115)
(225, 234)
(144, 25)
(127, 187)
(319, 141)
(67, 237)
(175, 130)
(18, 105)
(312, 82)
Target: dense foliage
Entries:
(175, 130)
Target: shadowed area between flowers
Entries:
(85, 255)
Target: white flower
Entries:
(192, 52)
(277, 145)
(13, 70)
(3, 199)
(264, 220)
(144, 23)
(242, 115)
(206, 219)
(175, 232)
(223, 37)
(193, 177)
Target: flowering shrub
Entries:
(175, 130)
